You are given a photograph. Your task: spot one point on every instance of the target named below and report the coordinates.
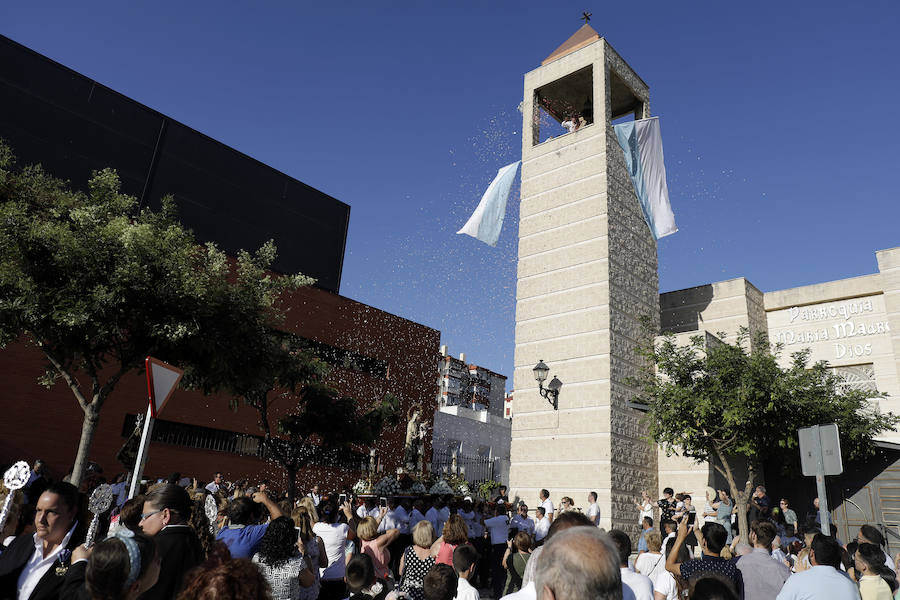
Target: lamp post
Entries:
(551, 392)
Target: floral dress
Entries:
(414, 570)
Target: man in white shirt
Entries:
(640, 585)
(314, 494)
(465, 557)
(593, 509)
(416, 514)
(435, 516)
(444, 512)
(668, 529)
(547, 504)
(541, 525)
(521, 521)
(213, 486)
(29, 557)
(368, 509)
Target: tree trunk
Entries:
(740, 497)
(88, 428)
(291, 484)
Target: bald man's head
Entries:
(580, 562)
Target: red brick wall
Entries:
(37, 422)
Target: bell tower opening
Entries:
(564, 106)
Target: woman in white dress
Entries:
(645, 506)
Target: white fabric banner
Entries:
(487, 220)
(641, 142)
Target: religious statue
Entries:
(413, 434)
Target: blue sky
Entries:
(779, 120)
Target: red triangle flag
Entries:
(162, 379)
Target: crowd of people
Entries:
(162, 544)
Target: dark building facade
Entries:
(72, 125)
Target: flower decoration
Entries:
(387, 486)
(441, 488)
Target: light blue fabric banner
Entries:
(641, 143)
(487, 220)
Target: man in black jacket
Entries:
(35, 566)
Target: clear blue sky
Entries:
(780, 122)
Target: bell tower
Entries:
(587, 276)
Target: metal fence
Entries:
(474, 468)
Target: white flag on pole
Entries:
(487, 220)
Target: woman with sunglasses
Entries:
(166, 517)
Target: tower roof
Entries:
(581, 38)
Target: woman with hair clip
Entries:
(166, 517)
(876, 581)
(121, 567)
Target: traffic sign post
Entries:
(820, 455)
(162, 378)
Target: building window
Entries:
(857, 377)
(347, 359)
(203, 438)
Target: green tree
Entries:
(719, 401)
(97, 285)
(248, 355)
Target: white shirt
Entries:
(395, 519)
(666, 541)
(593, 513)
(315, 498)
(445, 516)
(433, 516)
(333, 538)
(414, 517)
(650, 564)
(541, 527)
(526, 593)
(499, 528)
(465, 591)
(38, 565)
(213, 487)
(647, 511)
(362, 512)
(640, 585)
(548, 507)
(665, 584)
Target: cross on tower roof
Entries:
(586, 17)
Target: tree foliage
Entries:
(98, 284)
(717, 401)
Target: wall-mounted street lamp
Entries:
(551, 392)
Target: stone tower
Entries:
(587, 274)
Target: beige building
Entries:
(587, 275)
(853, 324)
